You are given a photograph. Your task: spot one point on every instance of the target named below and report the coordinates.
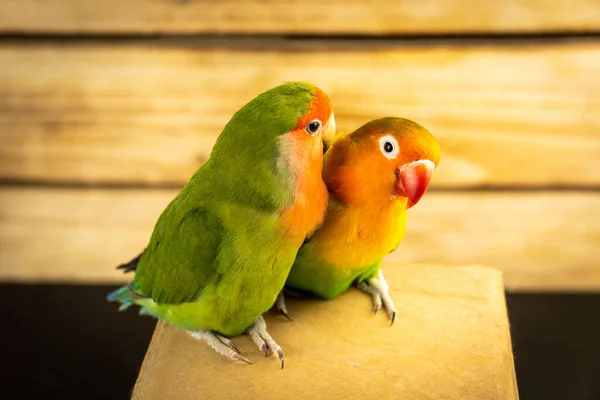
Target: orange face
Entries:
(383, 160)
(317, 125)
(305, 142)
(303, 147)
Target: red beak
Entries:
(412, 180)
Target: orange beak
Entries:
(412, 180)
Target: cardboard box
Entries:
(450, 340)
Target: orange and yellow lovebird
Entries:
(373, 175)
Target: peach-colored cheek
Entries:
(305, 157)
(305, 151)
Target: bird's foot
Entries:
(378, 288)
(221, 344)
(280, 306)
(264, 341)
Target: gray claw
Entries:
(262, 339)
(234, 347)
(228, 342)
(280, 354)
(285, 314)
(280, 305)
(242, 358)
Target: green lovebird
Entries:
(222, 249)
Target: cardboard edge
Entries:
(503, 310)
(153, 353)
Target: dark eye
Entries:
(389, 146)
(313, 127)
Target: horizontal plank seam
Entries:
(424, 38)
(8, 183)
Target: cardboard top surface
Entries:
(450, 340)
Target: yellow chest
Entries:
(358, 237)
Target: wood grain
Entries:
(450, 341)
(540, 240)
(140, 113)
(379, 17)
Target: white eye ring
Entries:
(313, 127)
(389, 146)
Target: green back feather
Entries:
(243, 160)
(197, 238)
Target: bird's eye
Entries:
(389, 146)
(313, 127)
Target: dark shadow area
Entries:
(60, 341)
(556, 342)
(63, 341)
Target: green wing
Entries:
(179, 261)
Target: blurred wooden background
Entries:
(108, 107)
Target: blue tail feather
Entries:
(122, 295)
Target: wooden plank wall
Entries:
(107, 108)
